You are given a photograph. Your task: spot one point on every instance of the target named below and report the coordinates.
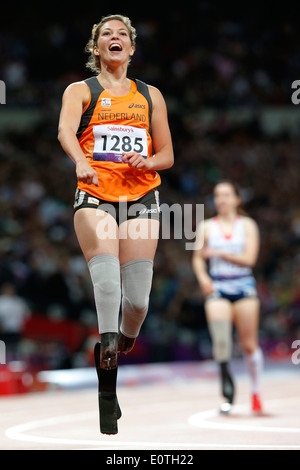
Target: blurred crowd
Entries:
(199, 61)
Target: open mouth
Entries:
(115, 47)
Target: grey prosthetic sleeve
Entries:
(221, 335)
(105, 274)
(136, 286)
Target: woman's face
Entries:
(114, 43)
(225, 199)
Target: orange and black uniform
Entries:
(109, 126)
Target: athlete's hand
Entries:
(86, 174)
(206, 285)
(136, 160)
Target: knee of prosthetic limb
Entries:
(136, 284)
(134, 312)
(221, 334)
(139, 303)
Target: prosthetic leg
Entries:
(221, 334)
(105, 275)
(227, 388)
(106, 361)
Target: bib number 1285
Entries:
(111, 141)
(124, 144)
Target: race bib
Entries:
(113, 140)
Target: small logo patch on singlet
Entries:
(105, 102)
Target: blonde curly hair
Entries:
(93, 62)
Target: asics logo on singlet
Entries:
(132, 105)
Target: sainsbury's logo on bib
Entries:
(105, 102)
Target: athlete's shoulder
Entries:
(202, 234)
(209, 222)
(154, 92)
(82, 84)
(157, 99)
(205, 226)
(249, 223)
(247, 220)
(77, 90)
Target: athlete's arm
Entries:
(249, 256)
(198, 262)
(75, 98)
(161, 137)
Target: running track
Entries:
(165, 407)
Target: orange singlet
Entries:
(112, 125)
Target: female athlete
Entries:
(231, 244)
(109, 126)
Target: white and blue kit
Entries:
(230, 281)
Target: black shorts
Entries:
(146, 207)
(231, 297)
(245, 289)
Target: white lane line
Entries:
(20, 431)
(201, 420)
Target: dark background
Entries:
(226, 74)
